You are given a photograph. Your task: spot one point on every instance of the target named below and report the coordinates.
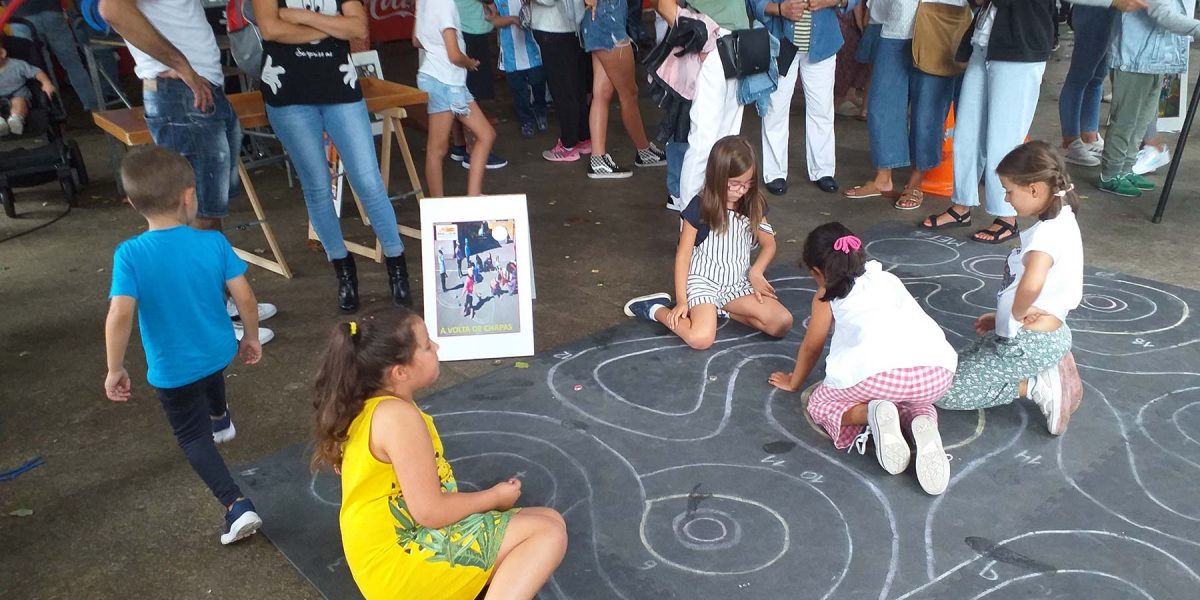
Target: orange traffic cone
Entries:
(939, 181)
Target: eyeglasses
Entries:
(739, 186)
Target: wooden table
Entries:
(386, 98)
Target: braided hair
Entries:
(1037, 162)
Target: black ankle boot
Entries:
(347, 275)
(397, 271)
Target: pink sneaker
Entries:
(584, 147)
(560, 154)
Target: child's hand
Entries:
(250, 350)
(1032, 315)
(679, 312)
(762, 287)
(985, 323)
(506, 493)
(782, 381)
(116, 386)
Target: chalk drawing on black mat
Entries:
(683, 474)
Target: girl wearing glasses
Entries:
(714, 274)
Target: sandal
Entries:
(869, 190)
(909, 200)
(1006, 232)
(960, 220)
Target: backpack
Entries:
(245, 41)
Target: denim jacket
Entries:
(1153, 41)
(826, 33)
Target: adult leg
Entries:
(970, 126)
(1013, 90)
(1079, 101)
(770, 317)
(561, 76)
(698, 329)
(602, 92)
(930, 98)
(301, 131)
(534, 544)
(776, 126)
(187, 410)
(349, 126)
(820, 149)
(53, 30)
(619, 69)
(715, 114)
(887, 124)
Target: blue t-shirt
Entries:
(178, 278)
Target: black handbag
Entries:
(745, 52)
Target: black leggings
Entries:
(569, 74)
(188, 410)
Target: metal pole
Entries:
(1175, 160)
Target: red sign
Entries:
(392, 19)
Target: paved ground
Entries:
(118, 513)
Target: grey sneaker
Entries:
(933, 468)
(642, 307)
(1079, 153)
(651, 156)
(891, 449)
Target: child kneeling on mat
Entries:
(1024, 347)
(407, 531)
(174, 277)
(721, 228)
(888, 363)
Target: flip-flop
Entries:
(916, 196)
(959, 220)
(869, 190)
(998, 236)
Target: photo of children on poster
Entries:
(477, 275)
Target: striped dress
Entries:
(719, 271)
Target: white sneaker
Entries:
(1079, 153)
(674, 203)
(3, 128)
(891, 449)
(16, 124)
(1151, 159)
(265, 310)
(933, 468)
(264, 335)
(1058, 392)
(1097, 146)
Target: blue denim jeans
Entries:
(188, 409)
(901, 93)
(1079, 101)
(521, 83)
(675, 153)
(301, 128)
(210, 140)
(53, 31)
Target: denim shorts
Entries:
(442, 97)
(210, 140)
(607, 31)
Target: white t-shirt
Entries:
(1063, 290)
(878, 327)
(434, 17)
(983, 28)
(183, 23)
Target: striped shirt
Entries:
(723, 258)
(518, 50)
(802, 36)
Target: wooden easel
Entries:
(392, 127)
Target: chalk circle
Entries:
(980, 423)
(712, 539)
(1123, 307)
(1187, 421)
(1102, 303)
(326, 488)
(911, 252)
(982, 266)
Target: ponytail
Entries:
(353, 365)
(838, 254)
(1037, 162)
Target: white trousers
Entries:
(817, 79)
(715, 114)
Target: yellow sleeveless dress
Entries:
(389, 554)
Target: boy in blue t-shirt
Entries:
(174, 277)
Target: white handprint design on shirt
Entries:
(271, 73)
(349, 73)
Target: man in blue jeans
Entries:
(178, 61)
(51, 27)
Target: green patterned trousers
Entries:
(990, 370)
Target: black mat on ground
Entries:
(682, 474)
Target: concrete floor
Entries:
(118, 513)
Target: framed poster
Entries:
(477, 265)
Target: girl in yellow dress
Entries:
(407, 531)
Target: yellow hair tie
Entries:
(353, 328)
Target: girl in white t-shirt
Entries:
(888, 362)
(1024, 347)
(443, 75)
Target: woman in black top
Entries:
(311, 91)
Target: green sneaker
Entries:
(1119, 186)
(1140, 182)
